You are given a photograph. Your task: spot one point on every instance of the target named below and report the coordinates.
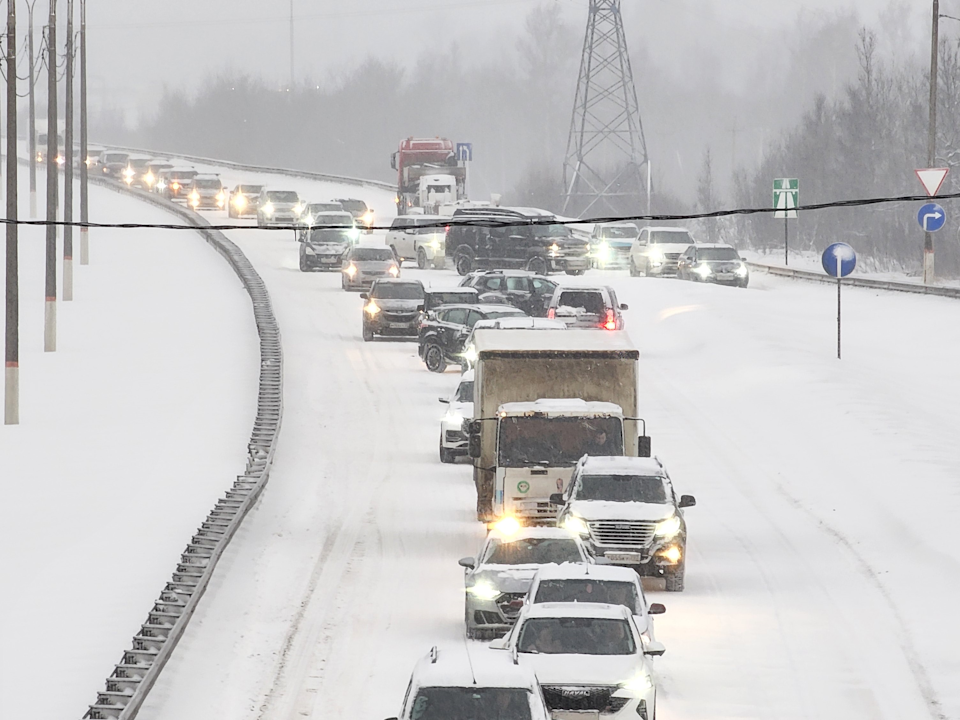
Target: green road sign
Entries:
(786, 198)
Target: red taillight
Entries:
(551, 314)
(446, 231)
(611, 322)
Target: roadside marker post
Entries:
(786, 200)
(839, 260)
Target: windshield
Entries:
(354, 206)
(532, 551)
(551, 231)
(612, 592)
(669, 237)
(589, 301)
(471, 703)
(113, 158)
(250, 189)
(717, 254)
(329, 237)
(465, 392)
(372, 254)
(398, 291)
(622, 488)
(183, 175)
(325, 207)
(207, 184)
(557, 441)
(577, 636)
(495, 314)
(451, 298)
(620, 232)
(284, 197)
(338, 220)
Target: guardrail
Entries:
(301, 174)
(138, 670)
(856, 281)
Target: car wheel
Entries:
(674, 578)
(576, 273)
(446, 456)
(633, 268)
(464, 264)
(743, 283)
(367, 334)
(421, 259)
(343, 282)
(303, 264)
(433, 358)
(537, 265)
(646, 268)
(260, 223)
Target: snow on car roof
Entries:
(575, 609)
(527, 531)
(714, 246)
(554, 341)
(571, 571)
(575, 407)
(481, 668)
(623, 466)
(669, 229)
(520, 323)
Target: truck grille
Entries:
(510, 604)
(672, 256)
(623, 533)
(561, 697)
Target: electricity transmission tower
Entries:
(606, 157)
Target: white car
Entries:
(606, 584)
(589, 657)
(448, 685)
(421, 238)
(453, 440)
(657, 250)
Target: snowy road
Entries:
(824, 552)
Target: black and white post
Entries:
(50, 275)
(84, 149)
(32, 140)
(11, 373)
(68, 165)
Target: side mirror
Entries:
(624, 306)
(654, 648)
(656, 609)
(498, 644)
(557, 499)
(445, 401)
(743, 259)
(687, 501)
(468, 562)
(421, 307)
(364, 296)
(644, 446)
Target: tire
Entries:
(575, 273)
(343, 282)
(674, 578)
(397, 256)
(303, 265)
(433, 358)
(537, 265)
(633, 268)
(464, 264)
(367, 334)
(447, 456)
(421, 259)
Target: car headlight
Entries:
(297, 209)
(454, 418)
(372, 308)
(434, 245)
(161, 186)
(174, 186)
(148, 179)
(394, 270)
(639, 685)
(268, 209)
(703, 270)
(668, 527)
(354, 234)
(672, 554)
(742, 271)
(368, 218)
(309, 251)
(508, 525)
(350, 270)
(576, 525)
(239, 202)
(554, 249)
(657, 256)
(470, 354)
(484, 591)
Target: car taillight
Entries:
(446, 231)
(611, 322)
(551, 314)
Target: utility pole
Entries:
(11, 373)
(84, 151)
(32, 142)
(928, 264)
(50, 279)
(68, 166)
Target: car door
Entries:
(396, 238)
(519, 291)
(543, 290)
(453, 322)
(639, 247)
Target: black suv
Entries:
(443, 333)
(392, 308)
(531, 293)
(518, 238)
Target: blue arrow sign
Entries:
(931, 217)
(465, 152)
(839, 260)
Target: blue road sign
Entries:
(465, 152)
(839, 260)
(931, 217)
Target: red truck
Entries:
(418, 157)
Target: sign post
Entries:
(932, 180)
(465, 155)
(839, 260)
(786, 200)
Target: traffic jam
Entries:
(581, 517)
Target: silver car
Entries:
(364, 264)
(498, 579)
(278, 207)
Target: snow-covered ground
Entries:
(128, 435)
(824, 559)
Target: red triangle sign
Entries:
(932, 179)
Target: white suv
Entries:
(419, 237)
(453, 439)
(657, 250)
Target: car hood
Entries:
(398, 305)
(507, 578)
(372, 264)
(329, 248)
(591, 510)
(604, 670)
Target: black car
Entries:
(323, 249)
(718, 263)
(515, 238)
(531, 293)
(435, 297)
(392, 308)
(443, 332)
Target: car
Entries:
(656, 251)
(525, 290)
(717, 263)
(324, 248)
(310, 212)
(514, 238)
(134, 171)
(574, 582)
(278, 207)
(589, 657)
(392, 308)
(206, 191)
(419, 238)
(331, 220)
(453, 439)
(464, 685)
(610, 244)
(588, 307)
(444, 331)
(244, 200)
(152, 173)
(173, 183)
(435, 297)
(626, 511)
(362, 264)
(497, 580)
(469, 355)
(112, 162)
(358, 208)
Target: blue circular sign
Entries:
(839, 260)
(931, 217)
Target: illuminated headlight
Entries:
(350, 270)
(672, 554)
(148, 179)
(268, 209)
(297, 209)
(240, 202)
(742, 271)
(507, 526)
(703, 271)
(668, 527)
(554, 250)
(640, 685)
(354, 233)
(220, 196)
(576, 525)
(484, 591)
(367, 218)
(60, 160)
(434, 245)
(372, 308)
(161, 186)
(175, 186)
(603, 250)
(394, 270)
(470, 354)
(40, 158)
(454, 418)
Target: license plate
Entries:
(628, 558)
(398, 325)
(575, 714)
(330, 260)
(724, 276)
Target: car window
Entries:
(718, 254)
(669, 237)
(471, 703)
(518, 284)
(577, 636)
(473, 317)
(590, 302)
(465, 391)
(622, 488)
(613, 592)
(457, 316)
(492, 283)
(398, 291)
(543, 286)
(372, 254)
(399, 223)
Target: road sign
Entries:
(786, 198)
(931, 217)
(464, 152)
(839, 260)
(932, 179)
